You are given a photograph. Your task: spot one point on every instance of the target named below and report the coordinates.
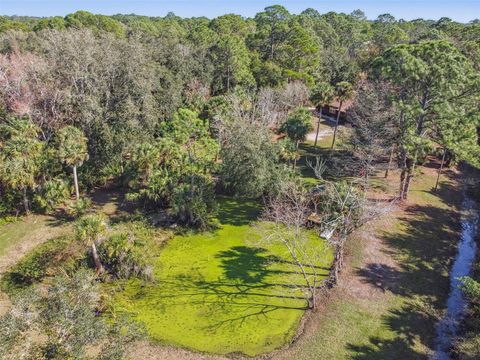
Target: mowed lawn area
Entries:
(221, 292)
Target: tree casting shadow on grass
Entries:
(231, 212)
(423, 247)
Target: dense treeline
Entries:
(169, 106)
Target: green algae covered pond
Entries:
(218, 292)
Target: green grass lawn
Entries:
(216, 292)
(11, 233)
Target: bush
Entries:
(79, 207)
(7, 219)
(65, 315)
(51, 195)
(250, 160)
(8, 201)
(471, 289)
(467, 345)
(195, 208)
(123, 257)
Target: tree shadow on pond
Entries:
(246, 264)
(237, 212)
(237, 286)
(251, 286)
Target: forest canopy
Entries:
(160, 100)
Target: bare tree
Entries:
(295, 94)
(344, 208)
(341, 210)
(373, 134)
(28, 87)
(319, 168)
(285, 218)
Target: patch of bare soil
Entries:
(321, 134)
(4, 304)
(146, 351)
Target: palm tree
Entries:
(288, 150)
(343, 92)
(90, 229)
(320, 96)
(297, 126)
(72, 150)
(146, 157)
(20, 156)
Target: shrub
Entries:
(8, 201)
(51, 195)
(194, 207)
(79, 207)
(471, 289)
(467, 345)
(249, 159)
(66, 316)
(123, 256)
(7, 219)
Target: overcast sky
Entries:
(460, 10)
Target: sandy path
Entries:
(28, 242)
(39, 232)
(321, 134)
(145, 351)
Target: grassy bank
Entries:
(467, 345)
(217, 292)
(395, 288)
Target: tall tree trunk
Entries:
(403, 155)
(192, 180)
(75, 180)
(295, 160)
(419, 131)
(389, 162)
(403, 173)
(440, 169)
(228, 78)
(318, 127)
(401, 190)
(26, 204)
(410, 173)
(96, 259)
(336, 125)
(313, 302)
(408, 181)
(366, 177)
